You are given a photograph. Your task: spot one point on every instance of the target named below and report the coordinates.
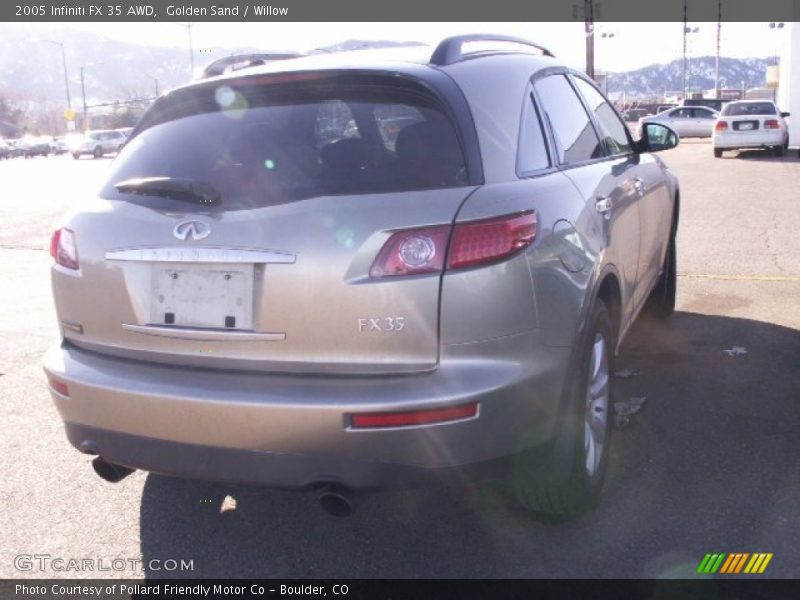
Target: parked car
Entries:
(60, 145)
(98, 143)
(252, 298)
(747, 124)
(16, 148)
(712, 103)
(634, 114)
(688, 121)
(34, 146)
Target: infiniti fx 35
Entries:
(366, 270)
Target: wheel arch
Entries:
(610, 292)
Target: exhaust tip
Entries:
(110, 471)
(335, 500)
(89, 447)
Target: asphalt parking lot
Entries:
(710, 464)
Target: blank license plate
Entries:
(203, 296)
(745, 126)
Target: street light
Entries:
(83, 92)
(776, 27)
(686, 31)
(188, 27)
(606, 36)
(66, 77)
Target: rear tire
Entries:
(717, 153)
(565, 478)
(778, 150)
(98, 152)
(75, 155)
(661, 302)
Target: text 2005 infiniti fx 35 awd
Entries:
(364, 270)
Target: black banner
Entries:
(407, 10)
(404, 589)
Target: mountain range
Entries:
(734, 73)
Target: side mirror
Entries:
(657, 137)
(785, 114)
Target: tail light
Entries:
(63, 248)
(417, 251)
(771, 124)
(483, 242)
(412, 252)
(721, 126)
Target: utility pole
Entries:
(83, 95)
(191, 49)
(685, 31)
(719, 35)
(588, 21)
(188, 27)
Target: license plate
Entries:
(745, 126)
(205, 296)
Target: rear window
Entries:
(749, 108)
(259, 142)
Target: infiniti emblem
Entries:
(195, 230)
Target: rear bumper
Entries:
(294, 431)
(755, 139)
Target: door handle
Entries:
(603, 204)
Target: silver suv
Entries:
(363, 270)
(98, 143)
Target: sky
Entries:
(633, 45)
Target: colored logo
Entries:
(737, 562)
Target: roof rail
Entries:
(449, 50)
(235, 62)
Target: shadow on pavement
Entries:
(708, 465)
(761, 155)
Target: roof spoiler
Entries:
(449, 50)
(242, 61)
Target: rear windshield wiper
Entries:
(178, 188)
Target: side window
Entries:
(334, 122)
(612, 128)
(681, 113)
(575, 137)
(702, 113)
(532, 147)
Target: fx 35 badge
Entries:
(382, 324)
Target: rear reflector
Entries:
(417, 417)
(721, 125)
(59, 387)
(771, 124)
(491, 240)
(63, 248)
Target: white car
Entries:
(688, 121)
(746, 124)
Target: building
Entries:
(789, 78)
